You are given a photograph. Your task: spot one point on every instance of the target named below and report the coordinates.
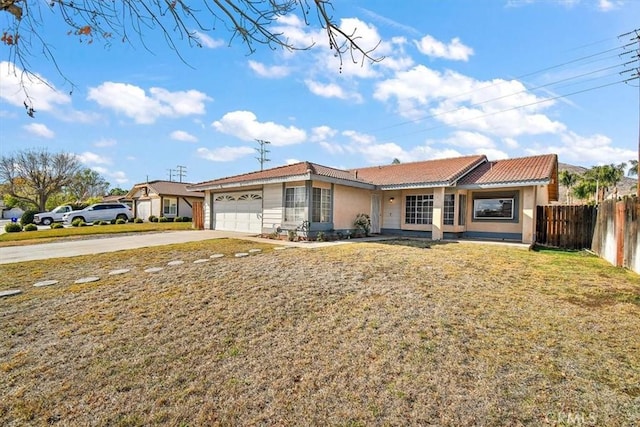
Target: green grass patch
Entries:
(41, 236)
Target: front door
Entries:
(375, 213)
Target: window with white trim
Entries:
(321, 205)
(169, 206)
(295, 204)
(419, 209)
(449, 208)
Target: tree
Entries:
(118, 192)
(32, 176)
(599, 179)
(633, 171)
(568, 179)
(86, 184)
(395, 161)
(253, 22)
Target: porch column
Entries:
(438, 214)
(528, 214)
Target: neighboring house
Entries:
(448, 198)
(162, 198)
(117, 199)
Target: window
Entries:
(462, 209)
(419, 209)
(493, 209)
(295, 204)
(449, 208)
(169, 206)
(321, 205)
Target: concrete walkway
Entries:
(113, 243)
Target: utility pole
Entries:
(171, 171)
(635, 75)
(182, 171)
(263, 152)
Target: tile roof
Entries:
(426, 172)
(296, 169)
(512, 171)
(169, 188)
(468, 170)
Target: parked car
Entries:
(99, 212)
(55, 215)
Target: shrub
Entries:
(77, 222)
(27, 217)
(363, 222)
(56, 225)
(320, 236)
(30, 227)
(138, 220)
(292, 235)
(177, 219)
(121, 221)
(186, 219)
(103, 223)
(163, 219)
(13, 227)
(153, 218)
(113, 221)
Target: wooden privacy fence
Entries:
(616, 237)
(565, 226)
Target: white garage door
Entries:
(143, 209)
(238, 212)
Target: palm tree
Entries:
(605, 177)
(568, 179)
(634, 168)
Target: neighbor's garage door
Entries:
(143, 209)
(238, 212)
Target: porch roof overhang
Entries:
(505, 184)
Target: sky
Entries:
(504, 78)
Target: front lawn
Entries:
(362, 334)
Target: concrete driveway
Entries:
(111, 243)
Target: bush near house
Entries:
(13, 227)
(30, 227)
(27, 217)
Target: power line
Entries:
(182, 171)
(263, 152)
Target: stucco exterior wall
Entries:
(347, 203)
(207, 209)
(272, 207)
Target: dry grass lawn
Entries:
(367, 334)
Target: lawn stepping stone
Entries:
(200, 261)
(241, 254)
(86, 280)
(214, 256)
(10, 292)
(45, 283)
(176, 262)
(254, 251)
(153, 269)
(280, 248)
(120, 271)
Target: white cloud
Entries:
(89, 158)
(498, 107)
(224, 154)
(272, 72)
(608, 5)
(590, 150)
(105, 143)
(40, 130)
(180, 135)
(469, 140)
(493, 153)
(292, 161)
(322, 133)
(245, 126)
(144, 108)
(331, 90)
(119, 177)
(455, 50)
(207, 41)
(14, 82)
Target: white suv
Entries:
(100, 212)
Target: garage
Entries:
(238, 212)
(143, 209)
